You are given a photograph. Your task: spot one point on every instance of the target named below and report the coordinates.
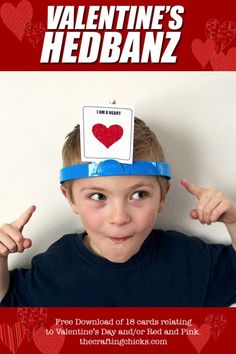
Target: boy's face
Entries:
(117, 213)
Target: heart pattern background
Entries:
(224, 62)
(49, 344)
(19, 21)
(29, 325)
(34, 33)
(219, 36)
(16, 18)
(217, 324)
(213, 327)
(199, 341)
(32, 318)
(203, 52)
(12, 337)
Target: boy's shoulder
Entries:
(64, 240)
(176, 242)
(177, 237)
(175, 245)
(64, 245)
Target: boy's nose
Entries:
(119, 215)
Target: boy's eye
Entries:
(97, 196)
(139, 195)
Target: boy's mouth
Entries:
(117, 239)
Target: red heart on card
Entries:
(199, 340)
(107, 136)
(32, 318)
(221, 34)
(34, 33)
(51, 342)
(222, 62)
(12, 337)
(16, 18)
(217, 324)
(203, 51)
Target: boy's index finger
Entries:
(191, 188)
(24, 218)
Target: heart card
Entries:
(107, 133)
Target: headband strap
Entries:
(115, 168)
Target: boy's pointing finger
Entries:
(191, 188)
(24, 218)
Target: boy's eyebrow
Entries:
(134, 186)
(93, 187)
(141, 184)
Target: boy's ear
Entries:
(67, 195)
(162, 201)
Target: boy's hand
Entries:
(11, 238)
(212, 205)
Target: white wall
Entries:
(193, 115)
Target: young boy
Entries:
(120, 260)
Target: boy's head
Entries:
(117, 212)
(146, 148)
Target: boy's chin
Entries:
(120, 254)
(116, 249)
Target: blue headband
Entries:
(115, 168)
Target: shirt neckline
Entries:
(96, 260)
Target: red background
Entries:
(225, 343)
(16, 55)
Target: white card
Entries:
(107, 132)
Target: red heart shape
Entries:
(12, 337)
(203, 51)
(16, 18)
(224, 62)
(32, 318)
(49, 343)
(217, 324)
(34, 33)
(107, 136)
(200, 340)
(221, 34)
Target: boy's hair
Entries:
(146, 147)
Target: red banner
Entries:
(118, 36)
(112, 330)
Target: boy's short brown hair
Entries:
(146, 148)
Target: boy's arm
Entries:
(11, 241)
(213, 206)
(4, 277)
(232, 231)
